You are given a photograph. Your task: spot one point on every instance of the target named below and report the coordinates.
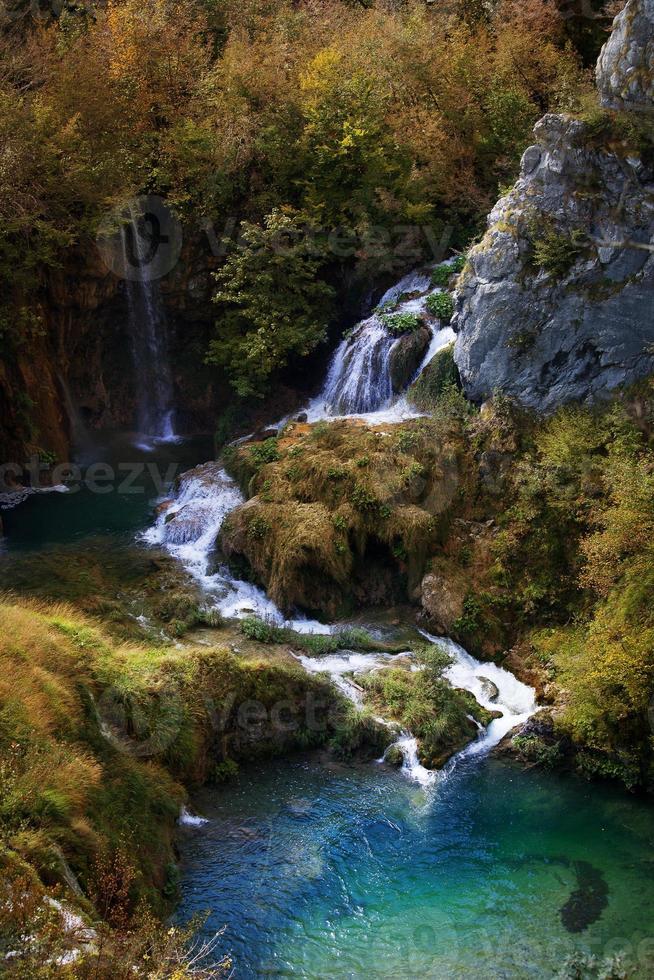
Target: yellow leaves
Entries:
(321, 73)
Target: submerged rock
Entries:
(588, 900)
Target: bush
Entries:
(399, 323)
(258, 629)
(264, 452)
(441, 305)
(554, 251)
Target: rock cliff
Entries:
(556, 302)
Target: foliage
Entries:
(441, 305)
(399, 323)
(553, 251)
(424, 703)
(575, 553)
(274, 306)
(93, 738)
(443, 273)
(376, 126)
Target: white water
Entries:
(339, 665)
(189, 529)
(188, 819)
(148, 330)
(358, 382)
(515, 700)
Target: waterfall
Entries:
(188, 526)
(148, 333)
(515, 700)
(188, 529)
(359, 378)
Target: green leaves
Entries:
(273, 303)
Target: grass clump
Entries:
(426, 704)
(264, 452)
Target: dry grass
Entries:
(96, 738)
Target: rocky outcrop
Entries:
(442, 596)
(555, 303)
(625, 70)
(406, 356)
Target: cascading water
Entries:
(516, 701)
(148, 332)
(359, 378)
(189, 529)
(358, 382)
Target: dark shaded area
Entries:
(588, 900)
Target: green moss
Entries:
(438, 378)
(424, 703)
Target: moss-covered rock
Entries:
(437, 377)
(347, 512)
(406, 356)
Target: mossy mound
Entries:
(438, 377)
(422, 701)
(341, 511)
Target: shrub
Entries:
(399, 323)
(554, 251)
(264, 452)
(441, 305)
(225, 771)
(441, 276)
(260, 630)
(258, 528)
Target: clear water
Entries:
(118, 506)
(338, 872)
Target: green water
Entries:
(355, 872)
(115, 502)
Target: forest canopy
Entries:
(380, 119)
